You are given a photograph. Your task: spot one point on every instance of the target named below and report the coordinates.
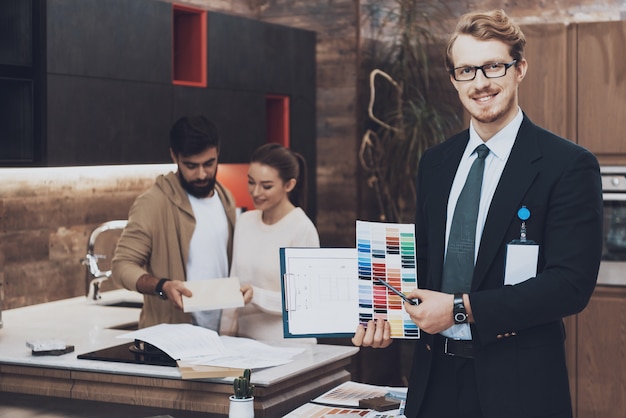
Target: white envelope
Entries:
(213, 294)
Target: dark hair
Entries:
(494, 24)
(192, 135)
(289, 164)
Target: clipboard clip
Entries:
(290, 299)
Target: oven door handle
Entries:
(614, 197)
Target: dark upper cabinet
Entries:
(114, 39)
(234, 57)
(17, 130)
(251, 55)
(102, 79)
(16, 32)
(236, 114)
(95, 121)
(21, 82)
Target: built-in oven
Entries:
(613, 264)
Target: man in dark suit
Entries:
(494, 347)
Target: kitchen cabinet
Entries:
(21, 82)
(601, 86)
(576, 84)
(601, 355)
(91, 82)
(546, 94)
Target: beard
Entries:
(198, 188)
(493, 114)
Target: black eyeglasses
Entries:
(492, 70)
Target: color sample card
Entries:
(350, 393)
(386, 251)
(310, 410)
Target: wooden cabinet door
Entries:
(602, 89)
(601, 356)
(546, 93)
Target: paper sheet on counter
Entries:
(247, 353)
(213, 294)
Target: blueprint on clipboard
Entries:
(327, 292)
(320, 291)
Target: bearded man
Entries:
(179, 230)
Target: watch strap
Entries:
(458, 309)
(158, 290)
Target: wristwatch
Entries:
(158, 290)
(458, 309)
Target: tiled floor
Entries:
(26, 406)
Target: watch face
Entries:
(460, 317)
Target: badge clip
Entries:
(523, 214)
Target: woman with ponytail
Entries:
(277, 185)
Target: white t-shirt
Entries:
(208, 254)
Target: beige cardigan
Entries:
(156, 241)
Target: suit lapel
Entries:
(519, 173)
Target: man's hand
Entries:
(175, 290)
(377, 334)
(433, 314)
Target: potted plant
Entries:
(242, 400)
(408, 110)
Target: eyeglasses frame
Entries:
(482, 68)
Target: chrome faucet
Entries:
(94, 276)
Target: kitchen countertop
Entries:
(612, 273)
(91, 325)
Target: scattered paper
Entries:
(213, 294)
(180, 341)
(247, 353)
(198, 346)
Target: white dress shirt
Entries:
(500, 146)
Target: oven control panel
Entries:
(613, 179)
(613, 183)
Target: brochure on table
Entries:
(201, 352)
(327, 292)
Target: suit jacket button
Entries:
(499, 336)
(507, 335)
(428, 347)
